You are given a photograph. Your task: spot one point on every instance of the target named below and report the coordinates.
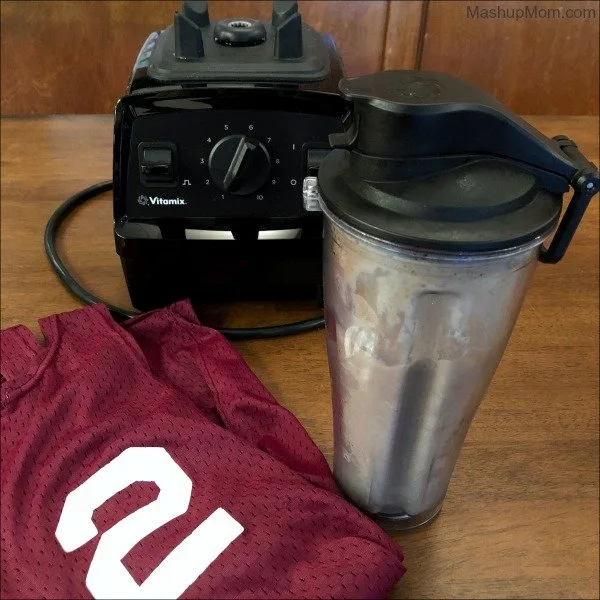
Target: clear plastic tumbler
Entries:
(413, 340)
(437, 200)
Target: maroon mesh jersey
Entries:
(147, 461)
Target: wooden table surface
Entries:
(521, 516)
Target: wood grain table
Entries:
(521, 516)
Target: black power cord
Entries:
(70, 204)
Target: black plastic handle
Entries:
(585, 183)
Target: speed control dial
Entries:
(239, 164)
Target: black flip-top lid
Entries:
(434, 162)
(239, 50)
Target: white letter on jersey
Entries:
(108, 577)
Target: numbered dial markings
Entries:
(241, 165)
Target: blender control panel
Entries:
(225, 163)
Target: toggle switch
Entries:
(314, 158)
(156, 165)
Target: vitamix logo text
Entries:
(145, 200)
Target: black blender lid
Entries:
(239, 50)
(481, 204)
(433, 162)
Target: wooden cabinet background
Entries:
(74, 56)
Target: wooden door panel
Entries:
(543, 60)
